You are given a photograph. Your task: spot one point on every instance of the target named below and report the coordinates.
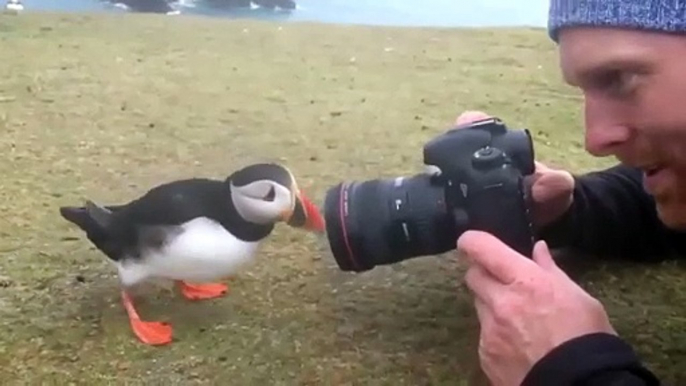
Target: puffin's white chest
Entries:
(203, 252)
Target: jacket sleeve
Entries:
(613, 215)
(591, 360)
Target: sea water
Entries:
(442, 13)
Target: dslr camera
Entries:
(474, 180)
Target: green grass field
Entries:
(105, 107)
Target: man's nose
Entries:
(606, 128)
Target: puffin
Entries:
(193, 232)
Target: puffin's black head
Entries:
(267, 193)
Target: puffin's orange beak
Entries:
(306, 215)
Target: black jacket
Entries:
(611, 215)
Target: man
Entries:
(538, 327)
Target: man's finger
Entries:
(468, 117)
(501, 261)
(482, 284)
(484, 313)
(541, 167)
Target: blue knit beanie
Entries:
(656, 15)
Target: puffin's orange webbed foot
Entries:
(152, 333)
(203, 291)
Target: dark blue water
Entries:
(372, 12)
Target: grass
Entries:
(105, 107)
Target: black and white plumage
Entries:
(193, 231)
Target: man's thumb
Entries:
(542, 256)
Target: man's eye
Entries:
(616, 83)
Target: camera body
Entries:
(481, 168)
(474, 180)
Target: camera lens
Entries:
(384, 221)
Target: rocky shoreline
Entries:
(170, 6)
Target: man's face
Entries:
(634, 86)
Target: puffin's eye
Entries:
(271, 195)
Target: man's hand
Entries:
(551, 188)
(525, 307)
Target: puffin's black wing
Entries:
(178, 202)
(95, 232)
(119, 230)
(148, 221)
(181, 201)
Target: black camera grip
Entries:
(498, 201)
